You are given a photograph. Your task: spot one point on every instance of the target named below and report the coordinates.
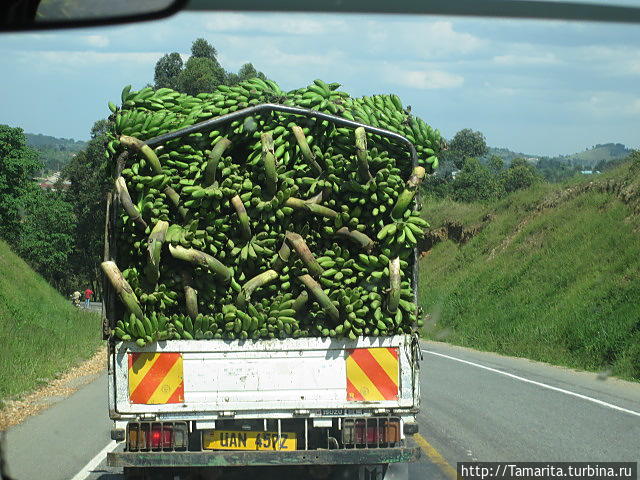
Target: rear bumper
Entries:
(364, 456)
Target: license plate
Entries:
(235, 440)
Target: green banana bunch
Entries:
(229, 200)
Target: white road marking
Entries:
(543, 385)
(95, 461)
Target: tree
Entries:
(247, 71)
(90, 180)
(475, 183)
(200, 48)
(18, 165)
(231, 78)
(46, 238)
(496, 164)
(466, 144)
(519, 175)
(168, 69)
(200, 75)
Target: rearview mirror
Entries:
(43, 14)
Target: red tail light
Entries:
(161, 438)
(370, 431)
(146, 436)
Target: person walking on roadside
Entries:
(87, 297)
(76, 298)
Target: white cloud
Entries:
(609, 104)
(297, 24)
(100, 41)
(513, 60)
(434, 39)
(72, 60)
(424, 79)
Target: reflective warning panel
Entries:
(156, 378)
(372, 374)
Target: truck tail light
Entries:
(158, 436)
(370, 432)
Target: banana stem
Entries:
(269, 160)
(245, 225)
(190, 295)
(304, 148)
(302, 249)
(248, 288)
(356, 237)
(322, 298)
(300, 301)
(122, 288)
(361, 154)
(406, 196)
(394, 285)
(175, 199)
(310, 206)
(127, 204)
(145, 149)
(154, 249)
(283, 256)
(214, 157)
(203, 259)
(316, 198)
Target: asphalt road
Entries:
(475, 406)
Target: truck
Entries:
(325, 407)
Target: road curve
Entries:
(475, 406)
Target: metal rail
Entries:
(274, 107)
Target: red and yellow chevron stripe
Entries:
(156, 378)
(372, 374)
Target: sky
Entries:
(533, 86)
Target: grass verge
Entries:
(559, 285)
(41, 333)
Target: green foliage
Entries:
(554, 170)
(557, 286)
(519, 175)
(41, 333)
(18, 165)
(167, 70)
(475, 182)
(248, 71)
(201, 73)
(466, 144)
(54, 152)
(200, 48)
(495, 164)
(90, 181)
(46, 236)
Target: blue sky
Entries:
(540, 87)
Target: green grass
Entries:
(41, 333)
(561, 286)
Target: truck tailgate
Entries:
(213, 377)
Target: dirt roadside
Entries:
(16, 411)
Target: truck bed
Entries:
(210, 379)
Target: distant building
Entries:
(589, 172)
(49, 183)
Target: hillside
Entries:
(550, 273)
(598, 153)
(507, 155)
(54, 152)
(41, 333)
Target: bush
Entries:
(475, 183)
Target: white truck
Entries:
(335, 408)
